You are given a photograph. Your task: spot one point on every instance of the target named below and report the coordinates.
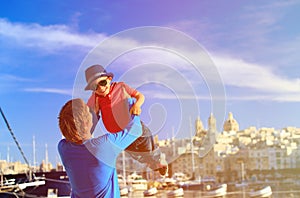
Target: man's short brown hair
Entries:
(72, 117)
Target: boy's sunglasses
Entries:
(101, 83)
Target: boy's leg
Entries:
(145, 151)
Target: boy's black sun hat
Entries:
(94, 72)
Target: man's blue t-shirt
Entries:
(91, 166)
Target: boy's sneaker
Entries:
(163, 169)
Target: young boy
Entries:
(118, 103)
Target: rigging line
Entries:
(15, 139)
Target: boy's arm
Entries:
(136, 107)
(95, 119)
(94, 109)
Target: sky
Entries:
(189, 59)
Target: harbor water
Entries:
(281, 191)
(237, 194)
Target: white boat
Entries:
(12, 186)
(167, 182)
(122, 181)
(180, 177)
(192, 185)
(241, 185)
(124, 188)
(176, 193)
(137, 182)
(150, 192)
(218, 191)
(262, 192)
(124, 191)
(24, 185)
(7, 182)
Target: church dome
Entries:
(230, 124)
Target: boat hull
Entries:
(264, 192)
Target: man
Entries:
(90, 162)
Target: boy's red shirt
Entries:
(114, 106)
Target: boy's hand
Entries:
(135, 110)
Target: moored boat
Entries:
(124, 191)
(13, 186)
(43, 184)
(137, 182)
(192, 185)
(176, 193)
(167, 182)
(180, 177)
(261, 192)
(220, 190)
(150, 192)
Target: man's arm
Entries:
(107, 147)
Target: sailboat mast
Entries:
(2, 179)
(173, 142)
(33, 153)
(124, 171)
(192, 147)
(7, 157)
(46, 156)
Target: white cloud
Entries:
(47, 37)
(12, 78)
(50, 90)
(281, 4)
(243, 74)
(260, 80)
(11, 82)
(235, 72)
